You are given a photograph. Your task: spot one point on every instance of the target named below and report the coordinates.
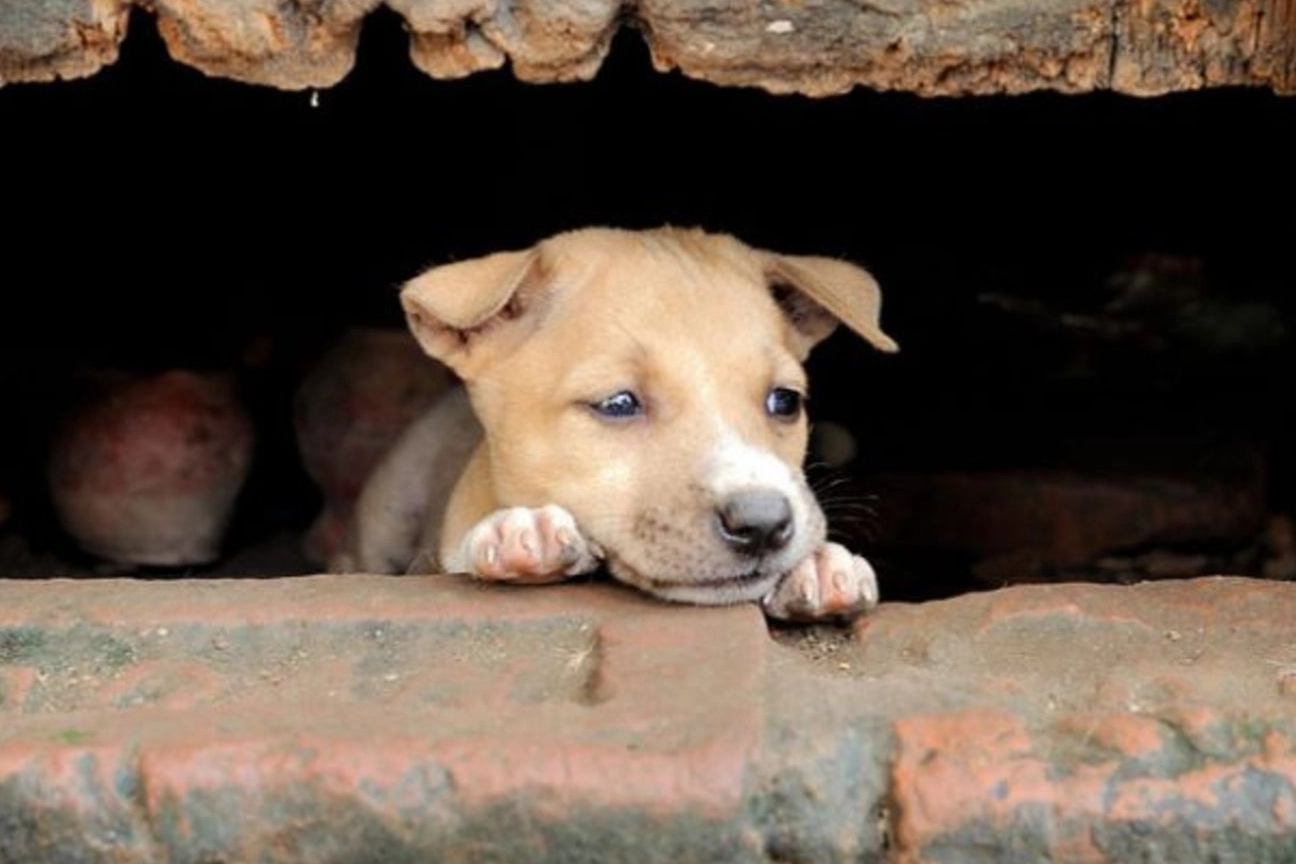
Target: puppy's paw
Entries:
(830, 584)
(528, 545)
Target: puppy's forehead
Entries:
(662, 245)
(658, 273)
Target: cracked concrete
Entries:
(818, 48)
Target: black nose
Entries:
(755, 522)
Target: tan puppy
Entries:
(639, 404)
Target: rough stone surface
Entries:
(59, 38)
(817, 47)
(235, 721)
(427, 718)
(1095, 724)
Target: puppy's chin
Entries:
(686, 563)
(723, 586)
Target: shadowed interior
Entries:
(158, 219)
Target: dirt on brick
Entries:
(1159, 646)
(85, 669)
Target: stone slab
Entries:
(816, 47)
(338, 718)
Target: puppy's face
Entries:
(651, 384)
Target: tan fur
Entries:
(686, 320)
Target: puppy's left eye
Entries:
(784, 403)
(618, 406)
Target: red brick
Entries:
(229, 706)
(1146, 715)
(336, 718)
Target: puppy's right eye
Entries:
(618, 406)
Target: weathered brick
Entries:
(1097, 724)
(430, 718)
(310, 719)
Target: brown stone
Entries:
(287, 45)
(1023, 521)
(60, 38)
(930, 47)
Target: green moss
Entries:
(74, 737)
(110, 651)
(20, 644)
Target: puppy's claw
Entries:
(528, 545)
(805, 593)
(832, 584)
(840, 581)
(570, 550)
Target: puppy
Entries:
(634, 400)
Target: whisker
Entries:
(863, 500)
(851, 508)
(867, 503)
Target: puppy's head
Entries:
(651, 383)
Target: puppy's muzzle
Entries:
(755, 522)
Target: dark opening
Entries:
(1098, 284)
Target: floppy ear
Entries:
(464, 313)
(819, 293)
